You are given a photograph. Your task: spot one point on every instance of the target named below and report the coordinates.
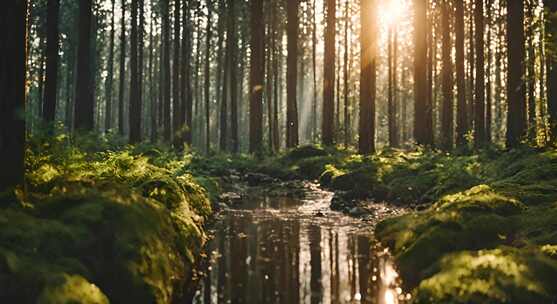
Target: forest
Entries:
(278, 151)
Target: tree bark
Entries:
(177, 121)
(292, 71)
(166, 93)
(462, 113)
(257, 74)
(347, 133)
(133, 118)
(122, 79)
(447, 83)
(516, 91)
(551, 64)
(152, 86)
(327, 124)
(314, 70)
(187, 94)
(225, 87)
(49, 106)
(422, 108)
(84, 107)
(13, 16)
(235, 143)
(366, 144)
(109, 85)
(489, 95)
(479, 100)
(208, 79)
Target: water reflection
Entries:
(275, 250)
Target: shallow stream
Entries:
(269, 249)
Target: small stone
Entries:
(357, 211)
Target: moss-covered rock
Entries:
(492, 243)
(470, 220)
(502, 275)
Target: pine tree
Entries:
(12, 93)
(368, 76)
(84, 106)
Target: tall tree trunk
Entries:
(109, 84)
(49, 106)
(276, 60)
(471, 68)
(368, 76)
(197, 85)
(69, 88)
(152, 87)
(208, 78)
(235, 143)
(422, 108)
(140, 67)
(551, 64)
(269, 79)
(462, 113)
(479, 101)
(292, 71)
(390, 100)
(40, 85)
(187, 95)
(314, 70)
(122, 88)
(327, 124)
(257, 73)
(133, 118)
(489, 95)
(177, 126)
(447, 83)
(516, 91)
(166, 96)
(531, 73)
(347, 134)
(225, 89)
(499, 74)
(13, 39)
(84, 106)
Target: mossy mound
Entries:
(305, 152)
(462, 248)
(502, 275)
(471, 220)
(95, 227)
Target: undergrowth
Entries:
(98, 221)
(487, 232)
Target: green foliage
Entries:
(124, 225)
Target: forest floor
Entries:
(99, 223)
(131, 219)
(483, 227)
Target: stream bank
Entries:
(100, 223)
(483, 227)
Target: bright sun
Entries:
(390, 11)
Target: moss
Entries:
(360, 179)
(313, 167)
(473, 219)
(330, 173)
(71, 289)
(510, 201)
(305, 152)
(101, 226)
(502, 275)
